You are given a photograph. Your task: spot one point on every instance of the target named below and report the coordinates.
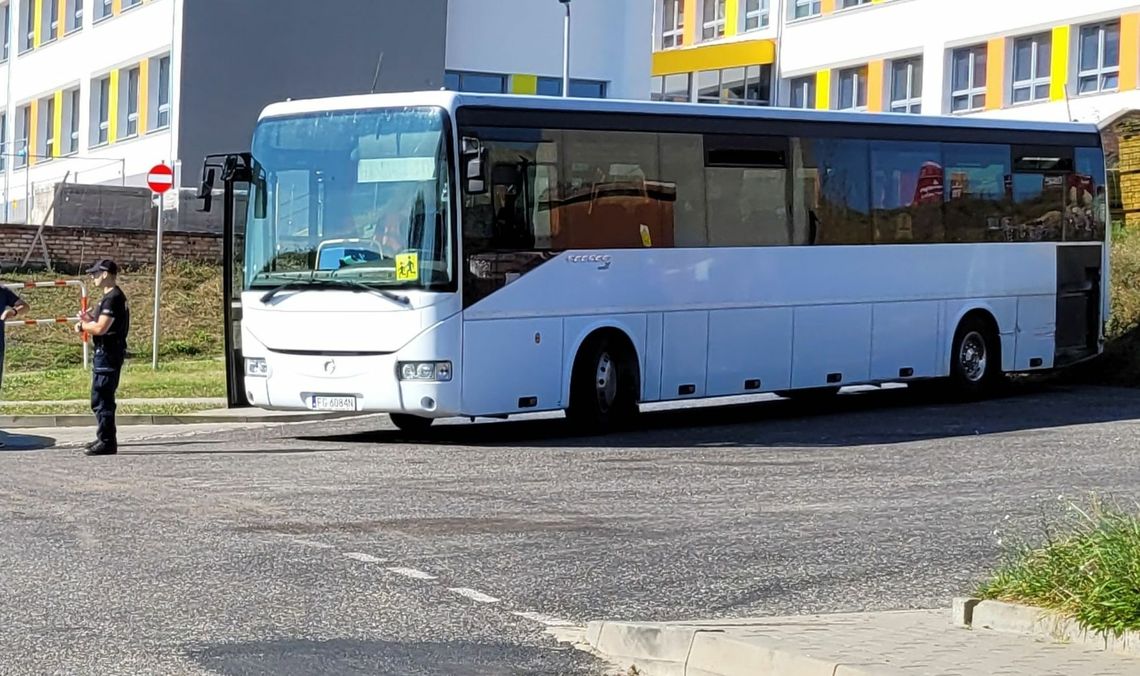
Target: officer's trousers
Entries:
(108, 365)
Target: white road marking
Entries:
(548, 620)
(310, 543)
(473, 595)
(366, 558)
(412, 572)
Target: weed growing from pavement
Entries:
(1086, 567)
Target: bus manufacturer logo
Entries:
(603, 261)
(330, 367)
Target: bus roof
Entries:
(453, 100)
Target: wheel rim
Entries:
(972, 357)
(606, 382)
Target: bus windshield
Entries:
(359, 196)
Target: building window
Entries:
(755, 14)
(803, 92)
(74, 16)
(673, 24)
(906, 86)
(805, 8)
(713, 19)
(28, 34)
(3, 140)
(847, 4)
(131, 96)
(128, 4)
(162, 111)
(71, 117)
(751, 86)
(968, 84)
(579, 89)
(1100, 58)
(25, 125)
(1031, 63)
(101, 130)
(853, 89)
(676, 88)
(50, 19)
(103, 9)
(6, 26)
(479, 83)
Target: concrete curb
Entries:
(15, 422)
(1040, 623)
(679, 650)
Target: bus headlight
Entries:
(256, 367)
(437, 371)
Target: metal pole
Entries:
(566, 52)
(157, 284)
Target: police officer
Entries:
(10, 306)
(108, 326)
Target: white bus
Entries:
(437, 254)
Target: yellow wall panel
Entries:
(690, 33)
(33, 131)
(823, 90)
(1129, 51)
(1059, 75)
(113, 109)
(116, 7)
(827, 6)
(38, 22)
(714, 57)
(524, 84)
(61, 29)
(995, 74)
(57, 125)
(732, 17)
(875, 91)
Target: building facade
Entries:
(96, 92)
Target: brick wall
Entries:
(73, 247)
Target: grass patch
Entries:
(177, 379)
(1088, 569)
(123, 409)
(191, 317)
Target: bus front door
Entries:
(235, 174)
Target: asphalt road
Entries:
(345, 548)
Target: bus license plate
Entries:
(334, 403)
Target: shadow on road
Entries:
(351, 657)
(850, 419)
(14, 442)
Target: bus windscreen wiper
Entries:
(333, 284)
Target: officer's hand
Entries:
(79, 327)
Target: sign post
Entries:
(160, 179)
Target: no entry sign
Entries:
(160, 178)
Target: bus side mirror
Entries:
(474, 156)
(206, 191)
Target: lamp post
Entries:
(566, 51)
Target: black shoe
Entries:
(90, 444)
(100, 448)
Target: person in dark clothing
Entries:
(10, 306)
(109, 326)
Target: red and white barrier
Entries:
(59, 283)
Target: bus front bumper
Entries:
(370, 384)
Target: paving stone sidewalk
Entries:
(865, 644)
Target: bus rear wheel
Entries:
(604, 384)
(975, 362)
(412, 424)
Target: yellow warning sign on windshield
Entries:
(407, 267)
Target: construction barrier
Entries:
(60, 283)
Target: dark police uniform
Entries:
(110, 354)
(8, 299)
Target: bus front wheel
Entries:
(975, 366)
(604, 384)
(412, 424)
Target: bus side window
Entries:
(978, 192)
(843, 211)
(906, 192)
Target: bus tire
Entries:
(412, 424)
(604, 385)
(975, 359)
